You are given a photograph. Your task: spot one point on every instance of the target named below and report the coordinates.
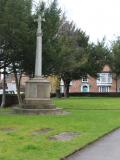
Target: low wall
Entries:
(96, 94)
(11, 99)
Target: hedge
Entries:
(11, 99)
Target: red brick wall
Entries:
(113, 87)
(93, 85)
(76, 85)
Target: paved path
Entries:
(107, 148)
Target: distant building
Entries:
(104, 82)
(11, 85)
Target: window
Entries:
(104, 78)
(118, 89)
(104, 89)
(84, 78)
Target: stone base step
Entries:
(53, 111)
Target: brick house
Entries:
(104, 82)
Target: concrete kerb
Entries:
(90, 143)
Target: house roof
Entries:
(106, 68)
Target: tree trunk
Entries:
(4, 86)
(17, 85)
(58, 94)
(116, 84)
(66, 88)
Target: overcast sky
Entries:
(98, 18)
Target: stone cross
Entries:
(38, 62)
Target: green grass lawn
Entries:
(21, 144)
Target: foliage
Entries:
(14, 33)
(99, 55)
(116, 56)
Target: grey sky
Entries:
(98, 18)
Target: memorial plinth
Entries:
(38, 93)
(37, 98)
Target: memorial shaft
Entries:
(38, 62)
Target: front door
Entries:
(85, 89)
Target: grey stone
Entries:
(55, 111)
(7, 130)
(42, 131)
(65, 136)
